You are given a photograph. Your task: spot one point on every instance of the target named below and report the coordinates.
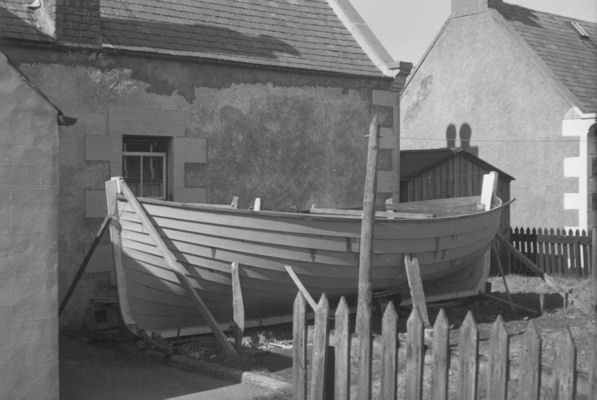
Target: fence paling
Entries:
(497, 379)
(441, 357)
(299, 348)
(389, 362)
(468, 349)
(564, 368)
(320, 349)
(530, 362)
(471, 365)
(342, 352)
(562, 252)
(414, 356)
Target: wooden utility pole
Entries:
(592, 150)
(363, 323)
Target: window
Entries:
(144, 165)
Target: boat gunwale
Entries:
(320, 217)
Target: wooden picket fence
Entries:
(556, 252)
(477, 376)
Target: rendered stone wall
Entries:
(483, 82)
(28, 241)
(292, 139)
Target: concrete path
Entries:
(97, 372)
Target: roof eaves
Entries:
(61, 117)
(223, 59)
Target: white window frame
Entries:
(142, 154)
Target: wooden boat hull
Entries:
(323, 250)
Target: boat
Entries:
(200, 244)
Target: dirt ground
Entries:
(269, 350)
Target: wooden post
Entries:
(498, 262)
(83, 265)
(238, 307)
(415, 283)
(363, 323)
(179, 271)
(488, 189)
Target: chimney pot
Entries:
(466, 7)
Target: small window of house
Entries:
(144, 165)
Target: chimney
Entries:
(403, 68)
(466, 7)
(71, 22)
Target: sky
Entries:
(407, 27)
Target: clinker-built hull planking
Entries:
(323, 250)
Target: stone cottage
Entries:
(519, 88)
(199, 101)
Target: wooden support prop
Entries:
(498, 300)
(238, 308)
(594, 267)
(179, 271)
(415, 283)
(363, 322)
(83, 265)
(301, 287)
(499, 265)
(488, 189)
(531, 266)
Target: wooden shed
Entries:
(444, 173)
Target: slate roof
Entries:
(571, 58)
(415, 162)
(303, 34)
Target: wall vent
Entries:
(579, 29)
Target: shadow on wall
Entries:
(517, 13)
(192, 38)
(195, 38)
(464, 133)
